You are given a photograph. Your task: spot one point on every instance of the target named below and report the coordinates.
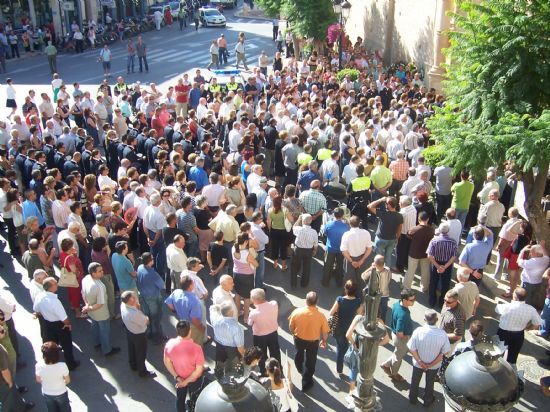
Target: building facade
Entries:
(405, 30)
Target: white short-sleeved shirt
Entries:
(53, 382)
(356, 241)
(49, 306)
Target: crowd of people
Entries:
(135, 200)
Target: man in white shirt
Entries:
(492, 211)
(443, 182)
(153, 223)
(72, 232)
(222, 293)
(257, 230)
(408, 211)
(490, 184)
(356, 246)
(213, 192)
(531, 275)
(516, 317)
(234, 137)
(176, 260)
(455, 226)
(253, 180)
(427, 345)
(411, 182)
(57, 327)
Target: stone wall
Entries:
(402, 29)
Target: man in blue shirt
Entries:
(474, 255)
(30, 208)
(122, 266)
(305, 178)
(194, 96)
(334, 260)
(186, 305)
(149, 284)
(198, 174)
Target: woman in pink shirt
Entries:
(244, 265)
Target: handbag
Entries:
(291, 400)
(351, 358)
(333, 324)
(67, 279)
(288, 223)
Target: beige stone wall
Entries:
(410, 30)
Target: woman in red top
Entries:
(168, 16)
(69, 260)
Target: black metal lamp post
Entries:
(341, 8)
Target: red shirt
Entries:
(182, 88)
(156, 123)
(185, 355)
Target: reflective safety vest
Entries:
(324, 153)
(303, 158)
(214, 88)
(232, 86)
(360, 184)
(121, 87)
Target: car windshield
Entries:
(212, 13)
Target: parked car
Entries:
(230, 4)
(211, 17)
(223, 76)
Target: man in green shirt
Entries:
(462, 195)
(381, 178)
(51, 52)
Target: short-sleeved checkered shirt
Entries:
(399, 169)
(313, 201)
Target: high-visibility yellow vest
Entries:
(304, 158)
(324, 154)
(232, 86)
(360, 184)
(214, 88)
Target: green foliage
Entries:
(434, 155)
(308, 18)
(498, 87)
(353, 74)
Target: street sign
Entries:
(68, 6)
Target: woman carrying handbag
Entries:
(281, 387)
(72, 273)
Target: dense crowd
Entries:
(180, 197)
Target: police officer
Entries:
(120, 86)
(232, 85)
(324, 153)
(359, 196)
(213, 88)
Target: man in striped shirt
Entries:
(399, 170)
(306, 243)
(314, 202)
(442, 252)
(428, 345)
(228, 334)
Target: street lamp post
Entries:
(341, 8)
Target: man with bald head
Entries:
(222, 293)
(314, 203)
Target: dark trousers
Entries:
(301, 260)
(14, 51)
(402, 252)
(442, 203)
(143, 61)
(59, 403)
(342, 345)
(514, 341)
(334, 266)
(275, 32)
(307, 349)
(279, 243)
(435, 278)
(137, 351)
(476, 280)
(268, 342)
(62, 336)
(183, 22)
(224, 353)
(12, 235)
(79, 46)
(415, 382)
(316, 223)
(291, 176)
(181, 394)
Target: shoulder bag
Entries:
(67, 279)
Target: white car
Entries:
(223, 76)
(230, 4)
(211, 17)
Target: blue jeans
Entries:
(260, 270)
(461, 215)
(383, 308)
(130, 63)
(159, 254)
(59, 403)
(192, 248)
(385, 248)
(342, 345)
(545, 315)
(101, 334)
(152, 307)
